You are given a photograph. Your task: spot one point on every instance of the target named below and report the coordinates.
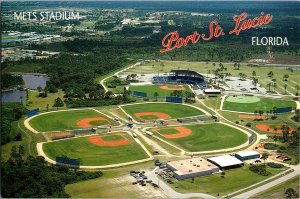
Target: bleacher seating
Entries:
(182, 76)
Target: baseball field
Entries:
(153, 111)
(69, 120)
(202, 137)
(97, 150)
(250, 104)
(162, 90)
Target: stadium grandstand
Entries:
(182, 76)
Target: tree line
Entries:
(31, 177)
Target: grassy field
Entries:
(174, 110)
(115, 183)
(28, 141)
(40, 102)
(91, 154)
(208, 137)
(278, 191)
(205, 67)
(234, 180)
(63, 120)
(151, 89)
(265, 104)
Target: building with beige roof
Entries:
(190, 168)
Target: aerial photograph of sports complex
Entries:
(150, 99)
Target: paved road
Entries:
(171, 193)
(269, 185)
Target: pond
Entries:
(34, 81)
(13, 96)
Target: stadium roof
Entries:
(225, 160)
(247, 153)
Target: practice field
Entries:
(97, 150)
(153, 111)
(69, 120)
(250, 104)
(162, 90)
(202, 137)
(272, 128)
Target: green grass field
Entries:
(174, 110)
(265, 104)
(40, 102)
(95, 155)
(278, 190)
(151, 89)
(234, 180)
(206, 137)
(63, 120)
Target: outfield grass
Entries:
(265, 104)
(151, 89)
(174, 110)
(63, 120)
(279, 190)
(206, 137)
(94, 155)
(214, 184)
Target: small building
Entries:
(149, 133)
(247, 155)
(226, 162)
(212, 91)
(190, 168)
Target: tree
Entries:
(254, 81)
(297, 115)
(269, 86)
(39, 89)
(297, 88)
(285, 77)
(155, 95)
(108, 95)
(285, 131)
(264, 156)
(275, 138)
(261, 112)
(58, 102)
(291, 193)
(285, 86)
(270, 74)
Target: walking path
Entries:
(115, 74)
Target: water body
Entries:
(32, 81)
(13, 96)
